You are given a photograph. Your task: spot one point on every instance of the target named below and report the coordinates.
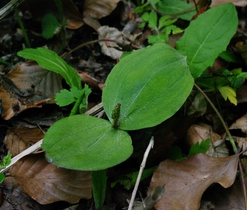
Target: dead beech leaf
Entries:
(186, 181)
(27, 85)
(47, 183)
(200, 132)
(19, 138)
(99, 8)
(231, 198)
(242, 94)
(241, 124)
(239, 3)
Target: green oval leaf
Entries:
(207, 36)
(49, 60)
(83, 142)
(150, 84)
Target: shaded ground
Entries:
(95, 67)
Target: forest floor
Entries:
(28, 108)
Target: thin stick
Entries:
(150, 146)
(9, 7)
(243, 183)
(27, 151)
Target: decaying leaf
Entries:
(27, 85)
(46, 183)
(242, 94)
(239, 3)
(109, 48)
(231, 198)
(198, 133)
(241, 124)
(186, 181)
(19, 138)
(99, 8)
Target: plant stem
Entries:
(144, 160)
(243, 183)
(231, 141)
(87, 43)
(22, 28)
(221, 119)
(4, 62)
(75, 108)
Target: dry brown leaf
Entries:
(242, 94)
(47, 183)
(99, 8)
(198, 133)
(109, 48)
(186, 181)
(19, 138)
(231, 198)
(241, 124)
(27, 85)
(240, 3)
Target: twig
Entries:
(243, 183)
(9, 7)
(150, 146)
(22, 28)
(27, 151)
(85, 44)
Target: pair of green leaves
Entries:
(93, 144)
(149, 86)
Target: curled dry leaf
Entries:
(186, 181)
(242, 94)
(99, 8)
(240, 3)
(46, 183)
(241, 124)
(109, 47)
(19, 138)
(198, 133)
(27, 85)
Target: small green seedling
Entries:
(175, 153)
(3, 164)
(50, 24)
(162, 27)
